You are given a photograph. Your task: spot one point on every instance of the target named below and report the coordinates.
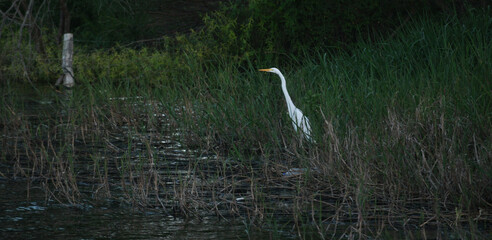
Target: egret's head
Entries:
(272, 70)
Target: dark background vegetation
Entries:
(236, 27)
(31, 31)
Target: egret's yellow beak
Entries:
(265, 70)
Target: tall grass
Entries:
(401, 122)
(403, 131)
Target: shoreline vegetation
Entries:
(403, 130)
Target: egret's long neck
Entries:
(290, 104)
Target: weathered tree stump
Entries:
(67, 58)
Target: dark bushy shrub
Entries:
(294, 26)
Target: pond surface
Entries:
(32, 218)
(31, 208)
(136, 180)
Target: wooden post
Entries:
(67, 58)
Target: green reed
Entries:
(401, 119)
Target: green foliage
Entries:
(293, 27)
(128, 66)
(106, 23)
(20, 60)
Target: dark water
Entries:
(29, 211)
(33, 218)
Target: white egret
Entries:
(298, 119)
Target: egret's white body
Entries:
(298, 119)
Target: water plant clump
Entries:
(402, 130)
